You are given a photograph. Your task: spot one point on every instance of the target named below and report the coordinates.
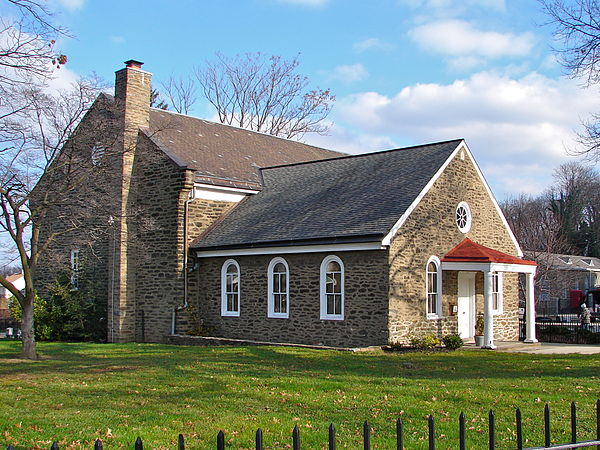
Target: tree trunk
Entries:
(27, 334)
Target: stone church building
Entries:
(223, 231)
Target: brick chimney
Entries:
(132, 90)
(132, 96)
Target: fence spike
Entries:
(54, 446)
(139, 445)
(492, 429)
(221, 441)
(399, 436)
(519, 429)
(259, 440)
(98, 444)
(547, 425)
(296, 438)
(573, 423)
(461, 431)
(180, 442)
(367, 435)
(331, 437)
(431, 424)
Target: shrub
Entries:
(426, 342)
(40, 316)
(479, 325)
(452, 341)
(65, 315)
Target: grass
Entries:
(80, 392)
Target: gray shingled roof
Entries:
(565, 262)
(223, 154)
(346, 199)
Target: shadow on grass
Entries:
(275, 362)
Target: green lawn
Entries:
(118, 392)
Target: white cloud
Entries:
(350, 73)
(62, 79)
(350, 140)
(372, 44)
(517, 128)
(460, 38)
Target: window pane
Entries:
(329, 300)
(338, 304)
(279, 267)
(333, 266)
(432, 303)
(329, 284)
(283, 282)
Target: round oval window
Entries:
(463, 217)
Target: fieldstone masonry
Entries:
(366, 287)
(431, 230)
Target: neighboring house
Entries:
(563, 282)
(18, 281)
(257, 237)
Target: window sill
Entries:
(278, 316)
(230, 314)
(433, 317)
(334, 318)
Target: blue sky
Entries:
(404, 71)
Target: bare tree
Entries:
(577, 28)
(33, 125)
(36, 144)
(265, 94)
(181, 93)
(575, 202)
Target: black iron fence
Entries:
(400, 435)
(563, 330)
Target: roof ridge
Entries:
(359, 155)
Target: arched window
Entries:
(279, 287)
(433, 283)
(230, 288)
(332, 288)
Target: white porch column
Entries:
(488, 318)
(529, 309)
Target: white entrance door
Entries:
(466, 304)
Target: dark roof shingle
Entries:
(335, 200)
(223, 154)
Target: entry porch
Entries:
(469, 258)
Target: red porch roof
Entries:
(469, 251)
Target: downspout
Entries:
(185, 305)
(111, 222)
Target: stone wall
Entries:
(73, 204)
(365, 312)
(431, 230)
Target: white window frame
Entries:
(438, 292)
(499, 293)
(323, 283)
(469, 218)
(224, 311)
(75, 269)
(271, 294)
